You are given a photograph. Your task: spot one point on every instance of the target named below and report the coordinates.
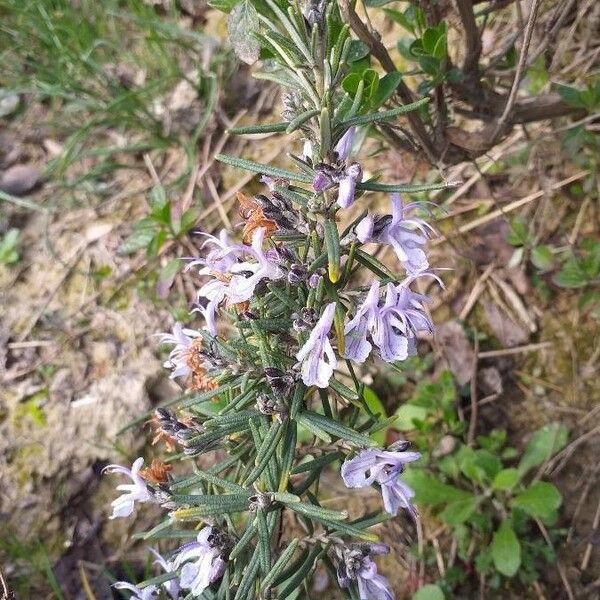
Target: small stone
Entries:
(20, 179)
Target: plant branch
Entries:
(472, 39)
(504, 117)
(379, 51)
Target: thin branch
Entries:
(472, 38)
(379, 51)
(520, 69)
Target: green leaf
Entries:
(334, 428)
(387, 87)
(544, 443)
(431, 491)
(460, 510)
(280, 564)
(570, 95)
(571, 275)
(255, 167)
(407, 414)
(376, 407)
(267, 128)
(358, 50)
(140, 238)
(225, 6)
(429, 592)
(242, 21)
(506, 550)
(265, 452)
(540, 499)
(506, 479)
(332, 243)
(390, 188)
(542, 257)
(385, 115)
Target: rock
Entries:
(457, 351)
(489, 381)
(9, 102)
(504, 328)
(20, 179)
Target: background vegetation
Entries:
(111, 114)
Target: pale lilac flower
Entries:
(313, 280)
(364, 229)
(400, 319)
(168, 566)
(355, 565)
(406, 235)
(182, 339)
(307, 150)
(268, 181)
(150, 592)
(382, 467)
(356, 346)
(206, 564)
(392, 326)
(241, 288)
(220, 257)
(214, 291)
(343, 147)
(352, 176)
(317, 356)
(137, 491)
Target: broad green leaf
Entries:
(542, 257)
(544, 443)
(506, 550)
(407, 414)
(429, 592)
(571, 275)
(387, 86)
(431, 491)
(506, 479)
(358, 50)
(459, 511)
(540, 499)
(140, 238)
(242, 21)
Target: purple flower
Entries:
(382, 467)
(343, 147)
(407, 236)
(357, 348)
(137, 491)
(321, 181)
(364, 229)
(241, 288)
(353, 175)
(356, 565)
(150, 592)
(168, 566)
(392, 327)
(317, 356)
(182, 339)
(400, 319)
(206, 564)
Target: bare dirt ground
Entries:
(78, 360)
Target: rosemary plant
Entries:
(287, 311)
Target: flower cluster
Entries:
(287, 310)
